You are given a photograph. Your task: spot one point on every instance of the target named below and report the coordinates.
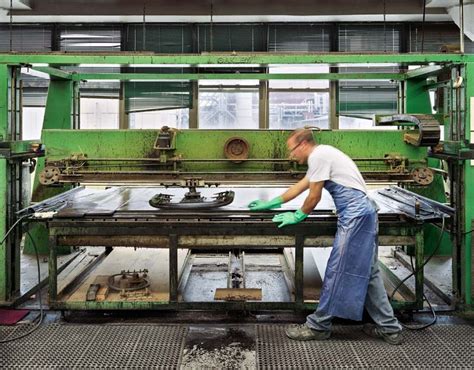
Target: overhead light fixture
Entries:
(159, 65)
(84, 36)
(32, 72)
(113, 44)
(99, 65)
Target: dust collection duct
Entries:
(453, 8)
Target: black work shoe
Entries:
(303, 332)
(391, 338)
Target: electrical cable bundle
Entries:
(413, 273)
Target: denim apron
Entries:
(348, 270)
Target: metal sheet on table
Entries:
(106, 202)
(135, 199)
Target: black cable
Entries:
(39, 296)
(413, 273)
(423, 27)
(384, 27)
(435, 318)
(14, 225)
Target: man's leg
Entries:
(377, 303)
(318, 321)
(317, 327)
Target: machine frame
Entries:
(414, 86)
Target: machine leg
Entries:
(419, 260)
(53, 270)
(299, 252)
(173, 250)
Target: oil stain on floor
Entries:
(220, 347)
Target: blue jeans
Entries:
(376, 304)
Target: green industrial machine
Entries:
(424, 151)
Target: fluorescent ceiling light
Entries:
(159, 65)
(85, 36)
(228, 65)
(367, 65)
(114, 44)
(32, 72)
(99, 65)
(158, 80)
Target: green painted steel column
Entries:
(57, 115)
(4, 260)
(417, 101)
(468, 267)
(417, 97)
(4, 93)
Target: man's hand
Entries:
(262, 205)
(289, 218)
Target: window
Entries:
(25, 38)
(73, 38)
(290, 110)
(228, 104)
(298, 103)
(32, 122)
(176, 118)
(99, 113)
(228, 110)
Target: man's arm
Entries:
(295, 190)
(314, 196)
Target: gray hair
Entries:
(302, 134)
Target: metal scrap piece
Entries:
(412, 205)
(218, 200)
(429, 131)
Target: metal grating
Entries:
(442, 346)
(142, 346)
(95, 346)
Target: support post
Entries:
(4, 263)
(299, 252)
(5, 78)
(123, 116)
(263, 106)
(58, 115)
(194, 111)
(467, 268)
(419, 277)
(173, 270)
(4, 258)
(53, 270)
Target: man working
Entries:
(353, 280)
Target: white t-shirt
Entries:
(328, 163)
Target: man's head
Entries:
(300, 144)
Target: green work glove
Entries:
(261, 205)
(289, 218)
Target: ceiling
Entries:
(84, 11)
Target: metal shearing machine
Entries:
(156, 219)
